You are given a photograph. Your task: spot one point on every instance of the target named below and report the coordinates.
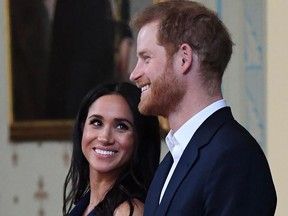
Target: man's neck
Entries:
(187, 110)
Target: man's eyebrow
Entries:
(142, 53)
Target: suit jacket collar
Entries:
(158, 181)
(201, 138)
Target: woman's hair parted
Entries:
(145, 157)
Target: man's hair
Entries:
(191, 23)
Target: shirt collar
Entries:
(184, 134)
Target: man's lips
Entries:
(144, 88)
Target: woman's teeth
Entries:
(103, 152)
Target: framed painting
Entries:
(59, 50)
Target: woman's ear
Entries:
(186, 58)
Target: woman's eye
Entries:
(96, 122)
(122, 126)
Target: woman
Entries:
(116, 151)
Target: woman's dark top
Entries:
(126, 190)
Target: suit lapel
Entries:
(201, 138)
(186, 162)
(153, 196)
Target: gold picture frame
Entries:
(22, 126)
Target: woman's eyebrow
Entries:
(95, 116)
(125, 120)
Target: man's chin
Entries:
(147, 109)
(143, 110)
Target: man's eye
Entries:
(147, 59)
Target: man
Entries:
(214, 167)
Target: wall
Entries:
(277, 99)
(32, 174)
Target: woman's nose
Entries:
(102, 139)
(105, 136)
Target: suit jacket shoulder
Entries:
(223, 171)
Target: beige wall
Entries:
(277, 98)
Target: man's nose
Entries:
(136, 73)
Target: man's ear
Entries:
(186, 57)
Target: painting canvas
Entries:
(61, 49)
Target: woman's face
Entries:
(108, 135)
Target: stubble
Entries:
(165, 94)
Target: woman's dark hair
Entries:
(143, 164)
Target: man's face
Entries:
(155, 75)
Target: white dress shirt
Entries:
(178, 141)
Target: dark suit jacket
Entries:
(223, 171)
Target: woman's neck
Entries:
(100, 184)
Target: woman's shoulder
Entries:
(124, 208)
